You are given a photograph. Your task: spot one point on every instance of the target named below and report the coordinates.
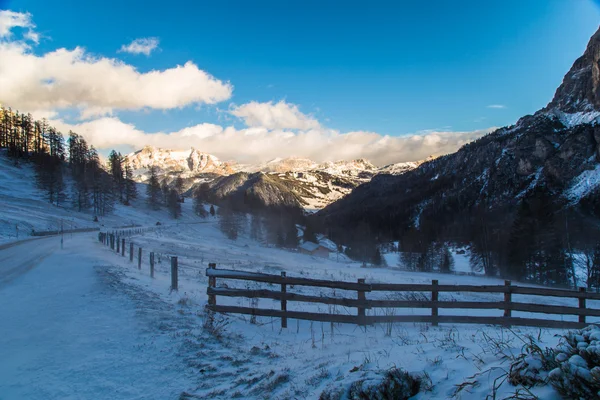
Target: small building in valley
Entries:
(314, 249)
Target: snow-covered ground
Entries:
(82, 322)
(72, 330)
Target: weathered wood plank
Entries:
(554, 292)
(486, 305)
(276, 279)
(403, 287)
(271, 294)
(339, 318)
(550, 309)
(439, 304)
(463, 319)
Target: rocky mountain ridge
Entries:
(557, 149)
(314, 185)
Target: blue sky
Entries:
(390, 67)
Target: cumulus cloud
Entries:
(141, 46)
(496, 106)
(257, 144)
(280, 115)
(73, 78)
(11, 19)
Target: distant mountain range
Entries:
(290, 182)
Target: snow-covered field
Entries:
(83, 322)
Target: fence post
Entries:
(212, 282)
(361, 310)
(174, 273)
(112, 241)
(123, 247)
(582, 305)
(131, 251)
(140, 258)
(507, 301)
(118, 246)
(283, 301)
(434, 300)
(151, 264)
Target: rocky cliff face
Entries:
(188, 163)
(558, 148)
(580, 89)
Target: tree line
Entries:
(538, 239)
(92, 186)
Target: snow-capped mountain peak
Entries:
(186, 162)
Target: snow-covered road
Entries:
(18, 258)
(69, 329)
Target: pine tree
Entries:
(520, 244)
(447, 261)
(165, 191)
(377, 258)
(593, 279)
(280, 240)
(291, 234)
(115, 162)
(178, 185)
(173, 204)
(229, 223)
(78, 162)
(199, 204)
(153, 190)
(130, 186)
(309, 234)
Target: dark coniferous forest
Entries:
(68, 170)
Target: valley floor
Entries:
(82, 322)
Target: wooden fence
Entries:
(361, 303)
(117, 241)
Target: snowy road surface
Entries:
(68, 330)
(17, 259)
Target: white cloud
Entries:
(11, 19)
(141, 46)
(32, 36)
(257, 144)
(280, 115)
(65, 78)
(496, 106)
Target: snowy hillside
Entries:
(112, 324)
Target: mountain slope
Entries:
(558, 148)
(313, 185)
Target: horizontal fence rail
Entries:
(432, 302)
